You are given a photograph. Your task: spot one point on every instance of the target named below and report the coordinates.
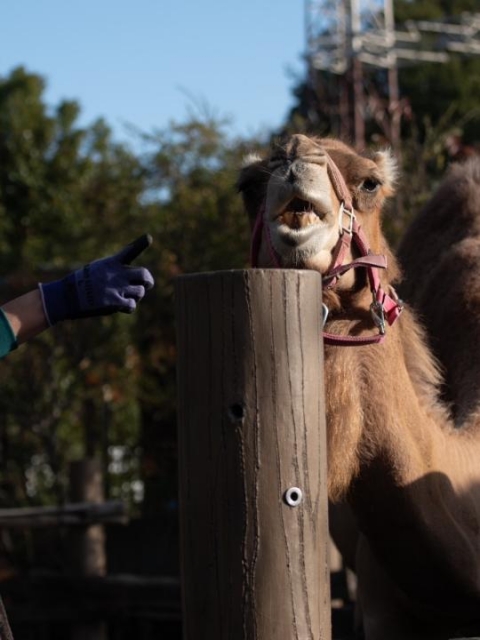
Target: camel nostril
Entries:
(296, 168)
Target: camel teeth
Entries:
(296, 220)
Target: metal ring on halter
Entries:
(324, 314)
(378, 315)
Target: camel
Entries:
(410, 478)
(440, 256)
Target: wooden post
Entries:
(87, 543)
(252, 456)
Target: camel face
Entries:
(301, 207)
(293, 191)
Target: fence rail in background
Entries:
(70, 514)
(252, 456)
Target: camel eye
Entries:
(370, 185)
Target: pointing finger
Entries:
(134, 249)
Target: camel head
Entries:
(296, 195)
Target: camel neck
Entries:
(392, 447)
(379, 396)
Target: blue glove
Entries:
(100, 288)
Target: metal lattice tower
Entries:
(345, 37)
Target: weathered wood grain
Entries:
(251, 426)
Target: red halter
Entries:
(384, 307)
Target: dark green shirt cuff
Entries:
(8, 341)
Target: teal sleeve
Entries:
(8, 341)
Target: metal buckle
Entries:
(394, 295)
(351, 217)
(378, 315)
(324, 314)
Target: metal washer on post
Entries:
(293, 496)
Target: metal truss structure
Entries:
(346, 37)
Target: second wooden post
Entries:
(252, 451)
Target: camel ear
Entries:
(251, 159)
(251, 166)
(252, 184)
(388, 166)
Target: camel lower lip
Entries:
(296, 237)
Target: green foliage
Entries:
(435, 89)
(423, 163)
(431, 9)
(67, 195)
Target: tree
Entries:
(104, 386)
(67, 195)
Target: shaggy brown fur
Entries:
(440, 255)
(411, 479)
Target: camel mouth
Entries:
(300, 214)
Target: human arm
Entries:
(25, 316)
(102, 287)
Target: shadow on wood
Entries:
(252, 456)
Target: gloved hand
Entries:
(100, 288)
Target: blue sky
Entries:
(146, 62)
